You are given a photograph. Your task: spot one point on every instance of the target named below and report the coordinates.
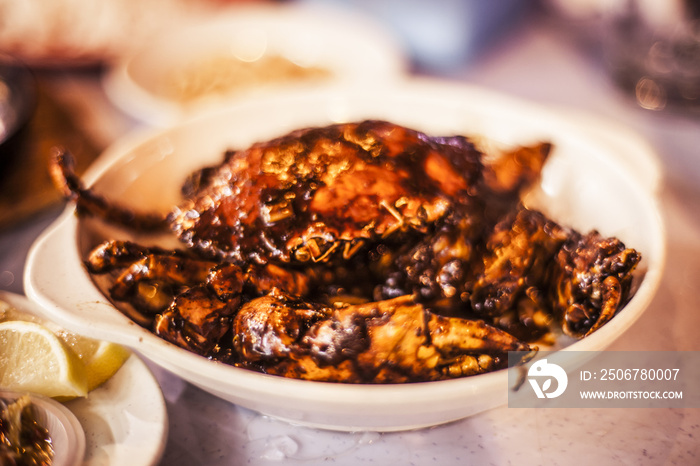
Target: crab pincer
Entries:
(390, 341)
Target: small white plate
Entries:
(350, 47)
(125, 419)
(586, 184)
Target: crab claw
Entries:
(391, 341)
(463, 347)
(592, 279)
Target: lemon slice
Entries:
(34, 359)
(102, 359)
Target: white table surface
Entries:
(538, 62)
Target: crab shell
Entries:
(320, 193)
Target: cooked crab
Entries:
(276, 234)
(321, 193)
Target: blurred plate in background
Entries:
(60, 33)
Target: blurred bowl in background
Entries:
(250, 50)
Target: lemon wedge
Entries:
(102, 359)
(34, 359)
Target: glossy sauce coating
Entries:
(318, 193)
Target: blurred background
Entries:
(85, 73)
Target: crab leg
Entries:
(113, 254)
(145, 277)
(197, 320)
(179, 271)
(149, 278)
(62, 170)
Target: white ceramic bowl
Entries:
(589, 182)
(350, 47)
